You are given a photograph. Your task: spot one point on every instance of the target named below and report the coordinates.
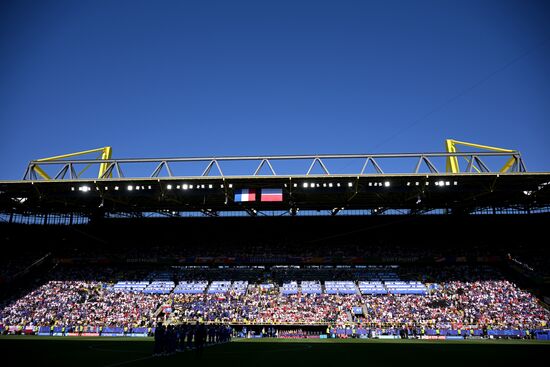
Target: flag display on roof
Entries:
(245, 195)
(271, 195)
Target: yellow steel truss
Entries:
(105, 155)
(452, 162)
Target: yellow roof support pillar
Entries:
(106, 153)
(452, 162)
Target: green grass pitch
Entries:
(133, 352)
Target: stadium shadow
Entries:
(275, 352)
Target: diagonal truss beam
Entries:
(318, 160)
(265, 161)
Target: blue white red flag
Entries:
(245, 195)
(271, 195)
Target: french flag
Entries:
(271, 195)
(245, 195)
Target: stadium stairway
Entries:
(158, 311)
(365, 312)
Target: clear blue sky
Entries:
(194, 78)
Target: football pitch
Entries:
(132, 352)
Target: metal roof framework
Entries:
(473, 162)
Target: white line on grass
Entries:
(92, 347)
(130, 361)
(139, 359)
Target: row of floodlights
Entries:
(338, 184)
(436, 183)
(86, 188)
(314, 184)
(375, 184)
(185, 186)
(191, 186)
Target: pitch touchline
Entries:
(113, 350)
(130, 361)
(136, 359)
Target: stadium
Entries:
(447, 258)
(274, 183)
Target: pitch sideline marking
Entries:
(130, 361)
(139, 359)
(92, 347)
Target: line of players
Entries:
(178, 338)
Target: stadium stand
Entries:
(311, 287)
(289, 288)
(340, 287)
(481, 303)
(398, 287)
(185, 287)
(217, 287)
(367, 287)
(159, 287)
(239, 287)
(372, 287)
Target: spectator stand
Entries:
(191, 287)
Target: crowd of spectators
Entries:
(457, 304)
(459, 297)
(85, 303)
(259, 307)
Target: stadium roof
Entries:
(453, 181)
(463, 192)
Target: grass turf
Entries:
(135, 352)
